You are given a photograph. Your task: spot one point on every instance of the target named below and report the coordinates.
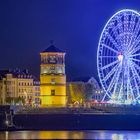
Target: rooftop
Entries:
(52, 48)
(17, 73)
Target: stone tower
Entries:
(52, 77)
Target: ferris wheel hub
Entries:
(120, 57)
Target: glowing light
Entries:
(6, 122)
(120, 57)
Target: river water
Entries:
(88, 134)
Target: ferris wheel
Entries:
(118, 58)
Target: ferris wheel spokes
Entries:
(112, 49)
(108, 56)
(117, 81)
(135, 45)
(110, 73)
(136, 66)
(133, 55)
(134, 75)
(136, 85)
(113, 80)
(115, 44)
(126, 22)
(134, 59)
(135, 49)
(110, 64)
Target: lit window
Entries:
(53, 81)
(52, 92)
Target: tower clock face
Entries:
(52, 59)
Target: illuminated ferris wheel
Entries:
(118, 58)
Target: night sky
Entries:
(27, 26)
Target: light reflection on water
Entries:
(88, 134)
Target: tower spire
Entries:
(52, 42)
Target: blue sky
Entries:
(27, 26)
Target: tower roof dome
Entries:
(52, 48)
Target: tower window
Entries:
(53, 81)
(52, 92)
(52, 69)
(52, 59)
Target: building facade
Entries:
(16, 84)
(36, 92)
(53, 77)
(84, 89)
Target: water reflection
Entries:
(113, 135)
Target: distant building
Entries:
(98, 93)
(53, 77)
(84, 89)
(17, 84)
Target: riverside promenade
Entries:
(93, 118)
